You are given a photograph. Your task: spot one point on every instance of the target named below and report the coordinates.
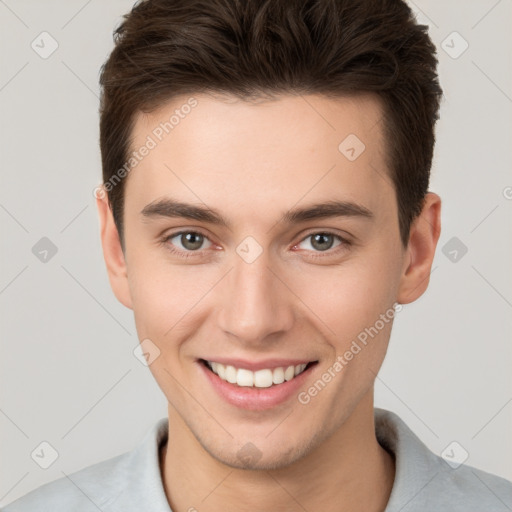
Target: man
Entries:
(265, 213)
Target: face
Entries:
(256, 238)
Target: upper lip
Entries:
(259, 365)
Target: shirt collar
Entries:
(415, 466)
(142, 481)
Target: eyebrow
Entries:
(171, 208)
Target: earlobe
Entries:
(423, 238)
(113, 252)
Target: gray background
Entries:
(68, 375)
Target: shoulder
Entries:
(89, 489)
(466, 488)
(427, 481)
(129, 481)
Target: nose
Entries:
(256, 303)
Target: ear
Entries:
(112, 251)
(423, 237)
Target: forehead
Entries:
(234, 152)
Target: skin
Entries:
(252, 162)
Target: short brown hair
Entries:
(257, 48)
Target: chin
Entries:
(263, 456)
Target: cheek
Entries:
(356, 302)
(349, 294)
(165, 295)
(349, 300)
(341, 300)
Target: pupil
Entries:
(191, 240)
(320, 238)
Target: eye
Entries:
(190, 241)
(322, 241)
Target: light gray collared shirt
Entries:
(424, 482)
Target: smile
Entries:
(263, 378)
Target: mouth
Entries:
(261, 378)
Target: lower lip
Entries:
(253, 398)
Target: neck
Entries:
(348, 471)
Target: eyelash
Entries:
(315, 254)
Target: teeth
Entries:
(244, 377)
(220, 370)
(299, 369)
(278, 375)
(263, 378)
(231, 374)
(289, 373)
(260, 379)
